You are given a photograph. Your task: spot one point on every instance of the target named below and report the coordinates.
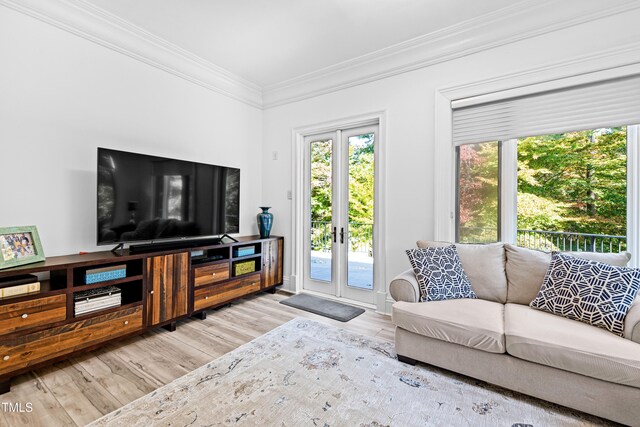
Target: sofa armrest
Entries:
(632, 322)
(404, 287)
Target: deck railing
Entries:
(361, 239)
(551, 240)
(360, 236)
(566, 241)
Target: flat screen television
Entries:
(143, 198)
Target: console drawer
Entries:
(28, 314)
(30, 349)
(208, 297)
(210, 274)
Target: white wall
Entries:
(409, 102)
(62, 96)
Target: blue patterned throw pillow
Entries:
(589, 291)
(440, 274)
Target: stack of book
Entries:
(96, 299)
(19, 285)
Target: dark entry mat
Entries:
(323, 307)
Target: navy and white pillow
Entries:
(440, 274)
(589, 291)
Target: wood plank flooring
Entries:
(82, 389)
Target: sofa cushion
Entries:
(588, 291)
(473, 323)
(562, 343)
(484, 265)
(440, 274)
(526, 268)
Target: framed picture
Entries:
(20, 245)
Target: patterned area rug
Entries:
(306, 373)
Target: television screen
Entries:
(149, 198)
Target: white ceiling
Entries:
(270, 42)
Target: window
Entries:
(472, 114)
(478, 196)
(562, 179)
(571, 191)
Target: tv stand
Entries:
(159, 289)
(227, 236)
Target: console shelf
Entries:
(77, 288)
(240, 258)
(46, 289)
(206, 263)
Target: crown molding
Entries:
(505, 26)
(619, 62)
(85, 20)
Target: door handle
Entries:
(341, 234)
(333, 233)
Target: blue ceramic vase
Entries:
(265, 221)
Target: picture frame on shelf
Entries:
(19, 246)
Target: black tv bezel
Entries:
(177, 239)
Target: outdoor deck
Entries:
(360, 269)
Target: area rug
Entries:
(306, 373)
(323, 307)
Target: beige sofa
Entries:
(499, 339)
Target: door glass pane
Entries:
(361, 190)
(321, 206)
(478, 197)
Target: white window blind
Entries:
(603, 104)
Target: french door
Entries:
(339, 213)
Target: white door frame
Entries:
(298, 202)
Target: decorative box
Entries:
(105, 274)
(244, 251)
(245, 267)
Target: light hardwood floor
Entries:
(83, 388)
